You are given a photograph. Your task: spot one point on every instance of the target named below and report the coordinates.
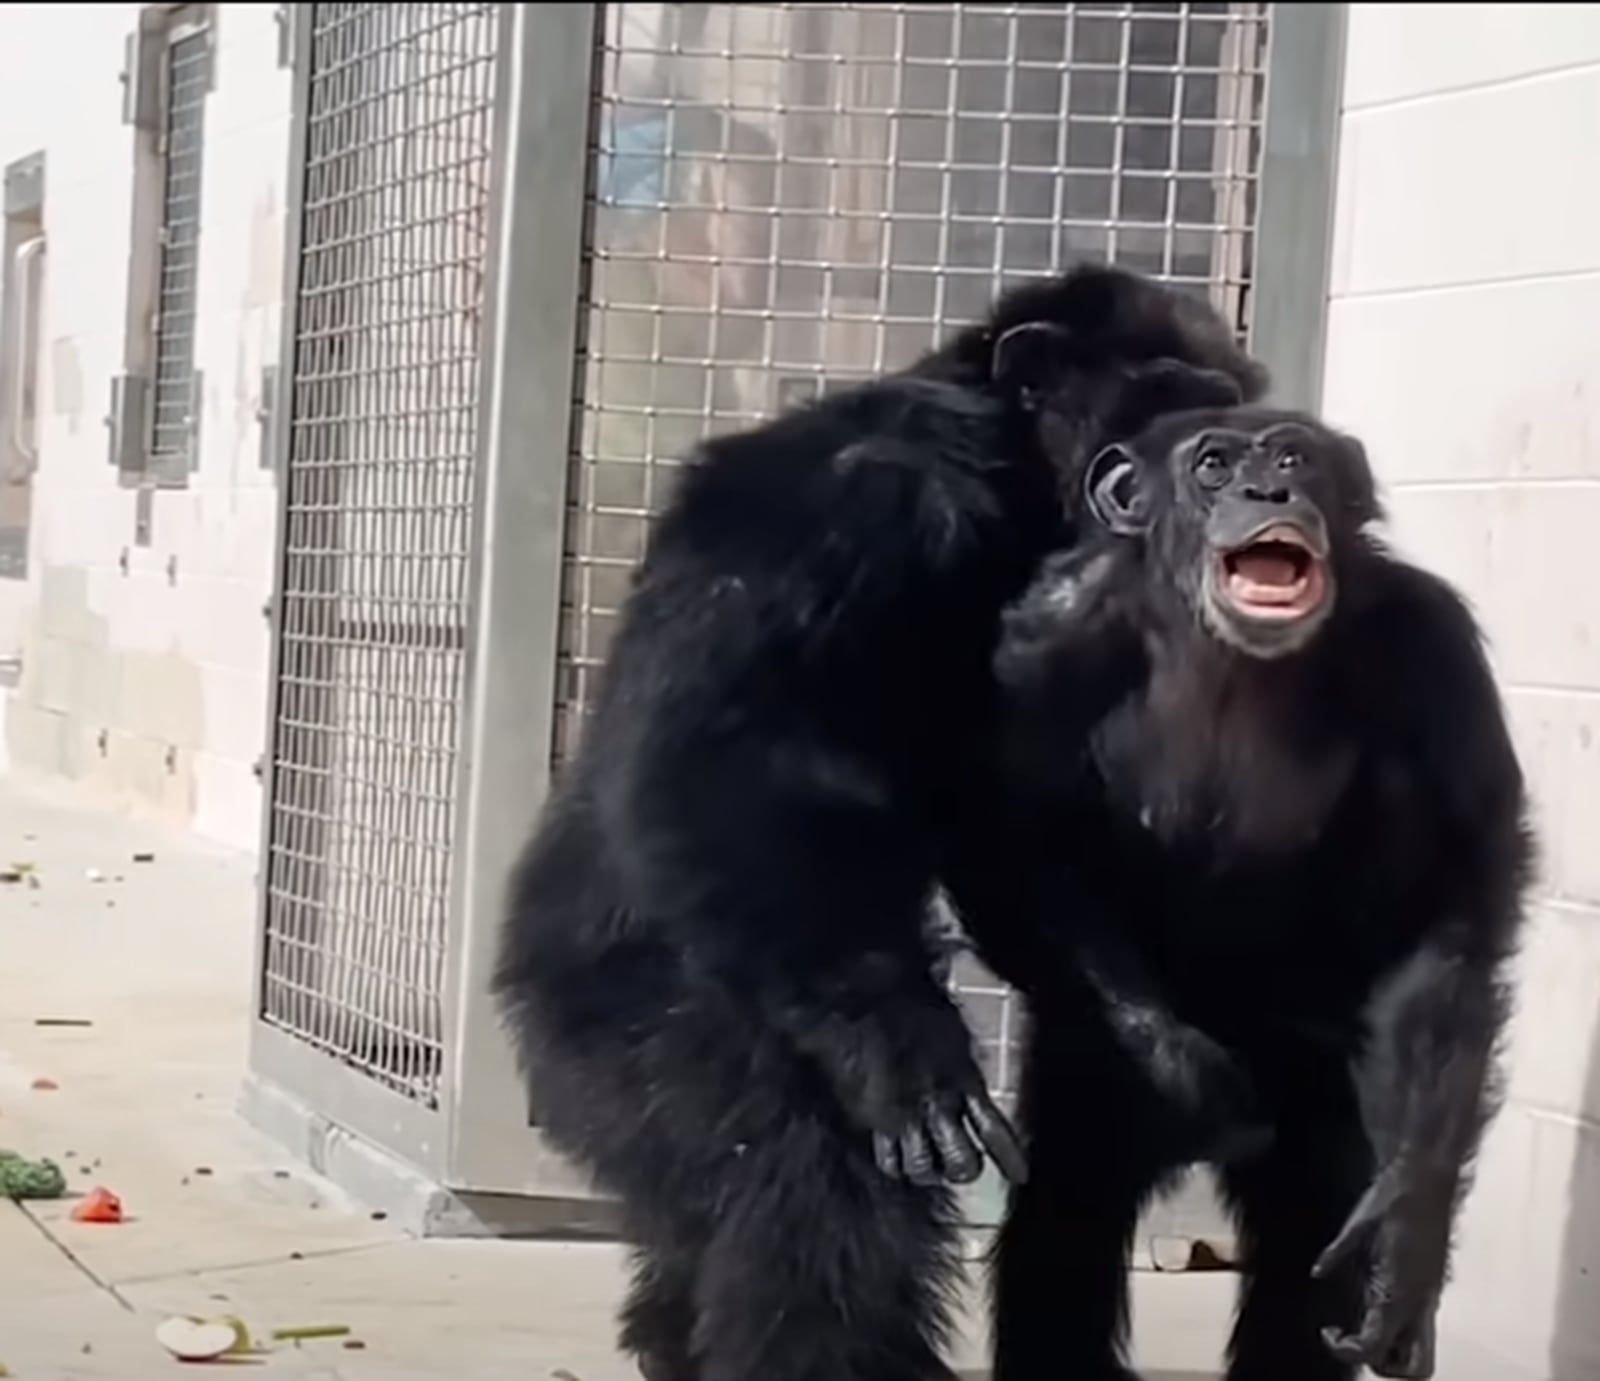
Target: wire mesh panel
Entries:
(187, 78)
(374, 587)
(787, 196)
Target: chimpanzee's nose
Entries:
(1261, 494)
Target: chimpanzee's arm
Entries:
(748, 760)
(1427, 1077)
(1427, 1092)
(1071, 648)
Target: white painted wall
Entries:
(1464, 347)
(170, 658)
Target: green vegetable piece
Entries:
(30, 1179)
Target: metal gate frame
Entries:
(478, 1139)
(477, 1136)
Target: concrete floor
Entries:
(156, 956)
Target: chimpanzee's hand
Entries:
(1404, 1221)
(905, 1073)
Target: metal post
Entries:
(542, 116)
(1294, 233)
(288, 328)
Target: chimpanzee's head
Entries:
(1100, 352)
(1251, 515)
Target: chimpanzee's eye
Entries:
(1212, 467)
(1290, 460)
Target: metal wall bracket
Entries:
(24, 186)
(142, 52)
(144, 507)
(128, 423)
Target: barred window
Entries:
(22, 268)
(187, 76)
(154, 413)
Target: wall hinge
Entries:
(267, 416)
(286, 17)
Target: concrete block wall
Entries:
(148, 682)
(1464, 346)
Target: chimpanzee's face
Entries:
(1246, 513)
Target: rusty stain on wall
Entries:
(124, 721)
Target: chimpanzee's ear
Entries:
(1026, 357)
(1116, 493)
(1361, 502)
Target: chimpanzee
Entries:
(1264, 787)
(714, 966)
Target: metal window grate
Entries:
(790, 195)
(374, 589)
(187, 78)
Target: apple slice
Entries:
(197, 1340)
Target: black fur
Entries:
(1291, 876)
(715, 967)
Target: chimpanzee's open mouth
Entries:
(1276, 575)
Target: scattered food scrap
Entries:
(190, 1338)
(21, 1178)
(43, 1085)
(99, 1205)
(203, 1340)
(144, 857)
(303, 1333)
(62, 1021)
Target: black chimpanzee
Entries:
(1290, 859)
(715, 966)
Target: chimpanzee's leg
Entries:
(1291, 1203)
(822, 1268)
(1096, 1154)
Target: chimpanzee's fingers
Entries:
(886, 1151)
(1356, 1347)
(997, 1137)
(958, 1153)
(1364, 1217)
(917, 1157)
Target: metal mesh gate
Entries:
(729, 207)
(790, 195)
(374, 586)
